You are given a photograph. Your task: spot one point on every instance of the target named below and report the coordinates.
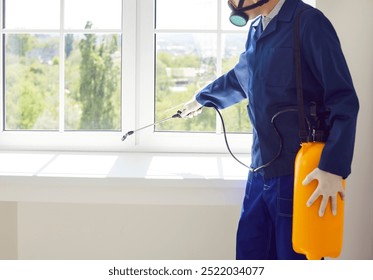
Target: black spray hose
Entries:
(226, 140)
(277, 132)
(177, 115)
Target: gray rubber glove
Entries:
(191, 109)
(329, 187)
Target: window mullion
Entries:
(219, 57)
(2, 111)
(129, 66)
(145, 73)
(61, 126)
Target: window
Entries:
(194, 47)
(62, 65)
(62, 72)
(194, 43)
(78, 74)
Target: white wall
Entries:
(163, 211)
(353, 21)
(8, 230)
(155, 232)
(74, 231)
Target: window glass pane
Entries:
(92, 82)
(185, 63)
(31, 81)
(35, 14)
(191, 14)
(235, 117)
(93, 14)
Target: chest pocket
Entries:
(277, 67)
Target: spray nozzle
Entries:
(177, 115)
(127, 134)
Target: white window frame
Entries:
(137, 102)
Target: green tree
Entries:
(98, 82)
(30, 95)
(69, 40)
(168, 101)
(19, 44)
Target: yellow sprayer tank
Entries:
(314, 236)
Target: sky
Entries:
(106, 14)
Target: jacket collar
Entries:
(286, 14)
(256, 22)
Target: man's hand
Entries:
(191, 109)
(329, 186)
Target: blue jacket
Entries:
(265, 74)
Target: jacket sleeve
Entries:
(226, 90)
(323, 54)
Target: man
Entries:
(265, 75)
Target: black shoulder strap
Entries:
(304, 134)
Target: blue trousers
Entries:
(265, 226)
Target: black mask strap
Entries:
(238, 17)
(250, 7)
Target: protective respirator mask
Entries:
(238, 16)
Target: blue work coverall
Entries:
(265, 75)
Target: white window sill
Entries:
(122, 178)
